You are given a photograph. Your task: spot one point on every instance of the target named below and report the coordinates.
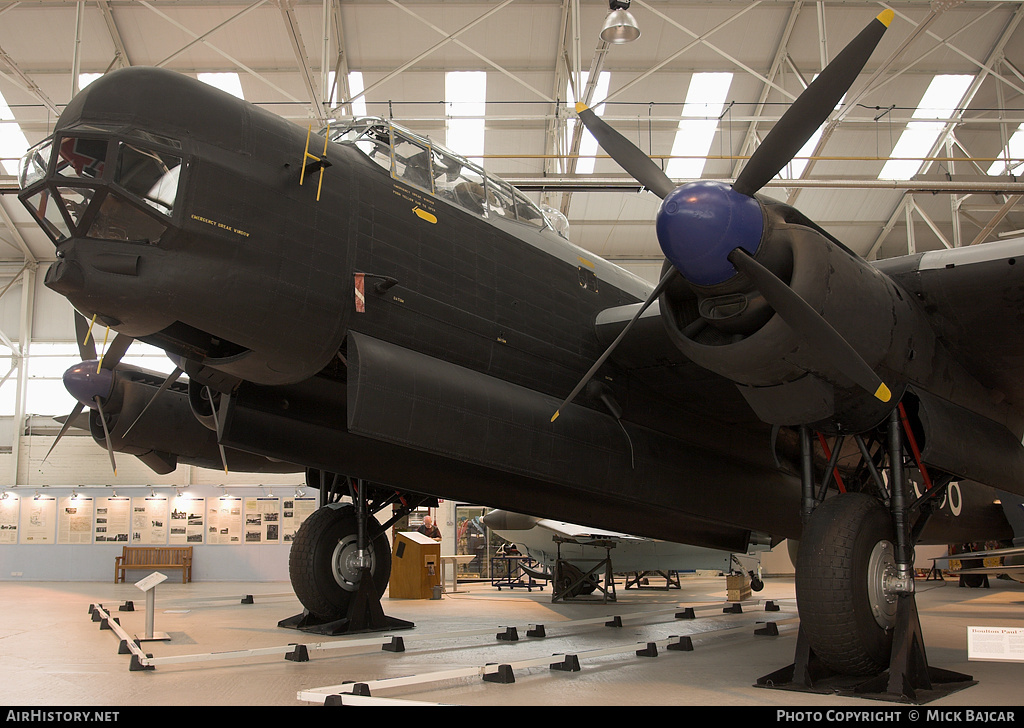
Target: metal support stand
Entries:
(640, 580)
(568, 586)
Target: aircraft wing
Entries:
(974, 298)
(570, 531)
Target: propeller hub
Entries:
(700, 223)
(85, 383)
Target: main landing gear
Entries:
(860, 632)
(340, 559)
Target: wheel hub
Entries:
(882, 573)
(346, 564)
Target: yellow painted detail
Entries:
(585, 262)
(554, 416)
(883, 393)
(885, 17)
(580, 107)
(423, 214)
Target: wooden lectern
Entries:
(415, 566)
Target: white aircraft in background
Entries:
(547, 541)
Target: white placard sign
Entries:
(995, 644)
(148, 582)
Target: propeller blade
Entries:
(112, 356)
(83, 330)
(171, 379)
(630, 157)
(67, 424)
(106, 433)
(216, 422)
(611, 347)
(811, 108)
(809, 324)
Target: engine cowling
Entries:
(728, 328)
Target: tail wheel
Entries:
(322, 562)
(846, 610)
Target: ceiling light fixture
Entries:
(620, 25)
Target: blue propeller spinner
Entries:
(701, 223)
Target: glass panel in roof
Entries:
(465, 96)
(229, 82)
(705, 99)
(13, 143)
(588, 144)
(940, 103)
(1014, 150)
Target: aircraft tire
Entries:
(847, 616)
(320, 563)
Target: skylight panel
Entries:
(1014, 150)
(797, 165)
(84, 79)
(940, 102)
(588, 144)
(228, 82)
(465, 95)
(13, 143)
(704, 99)
(355, 87)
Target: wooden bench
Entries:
(154, 557)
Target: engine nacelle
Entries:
(730, 330)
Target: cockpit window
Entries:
(429, 166)
(411, 162)
(149, 174)
(33, 165)
(76, 200)
(46, 210)
(500, 200)
(118, 219)
(82, 159)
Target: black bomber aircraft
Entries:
(371, 307)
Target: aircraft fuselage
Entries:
(363, 323)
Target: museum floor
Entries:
(52, 653)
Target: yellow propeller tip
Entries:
(885, 17)
(883, 393)
(581, 107)
(554, 416)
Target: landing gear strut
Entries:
(340, 560)
(860, 632)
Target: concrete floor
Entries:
(53, 654)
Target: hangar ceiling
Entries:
(286, 52)
(310, 60)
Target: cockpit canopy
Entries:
(431, 167)
(102, 183)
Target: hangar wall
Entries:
(242, 534)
